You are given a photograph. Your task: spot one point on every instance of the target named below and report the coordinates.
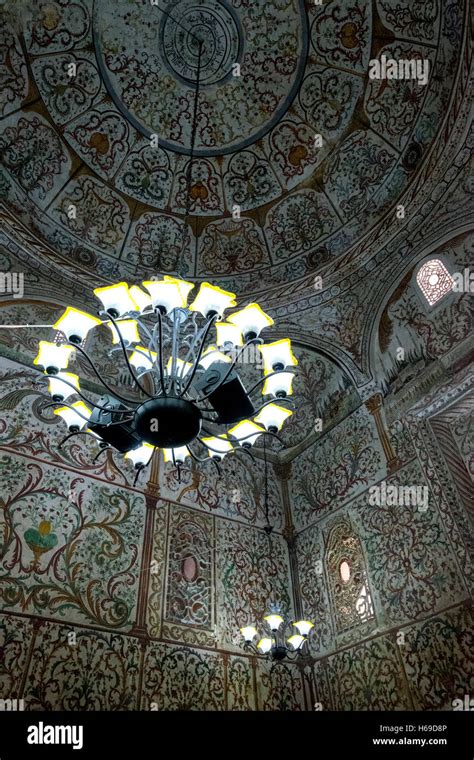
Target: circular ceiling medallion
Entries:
(148, 57)
(212, 23)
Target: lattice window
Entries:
(347, 574)
(434, 281)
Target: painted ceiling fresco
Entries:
(85, 139)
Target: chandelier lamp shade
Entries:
(181, 356)
(279, 639)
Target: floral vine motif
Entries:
(13, 71)
(102, 138)
(158, 242)
(33, 154)
(415, 19)
(67, 96)
(409, 559)
(101, 215)
(231, 246)
(333, 468)
(58, 25)
(100, 672)
(183, 679)
(85, 540)
(298, 222)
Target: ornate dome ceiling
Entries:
(83, 140)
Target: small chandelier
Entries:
(279, 639)
(181, 360)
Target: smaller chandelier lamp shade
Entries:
(76, 324)
(212, 355)
(212, 300)
(142, 299)
(117, 299)
(141, 455)
(228, 335)
(303, 627)
(264, 645)
(251, 321)
(273, 416)
(246, 432)
(75, 416)
(166, 295)
(142, 359)
(176, 455)
(249, 632)
(128, 330)
(52, 357)
(274, 621)
(59, 385)
(279, 385)
(277, 355)
(277, 640)
(296, 640)
(217, 447)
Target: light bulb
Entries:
(52, 357)
(273, 416)
(248, 632)
(274, 621)
(277, 355)
(212, 300)
(251, 321)
(76, 324)
(303, 626)
(117, 299)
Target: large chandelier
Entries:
(275, 640)
(181, 360)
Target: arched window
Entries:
(347, 575)
(434, 281)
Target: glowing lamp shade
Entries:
(303, 627)
(52, 357)
(75, 416)
(273, 416)
(212, 300)
(277, 355)
(184, 287)
(211, 356)
(181, 369)
(247, 431)
(296, 640)
(140, 358)
(217, 448)
(228, 335)
(116, 299)
(248, 632)
(140, 456)
(142, 299)
(59, 385)
(166, 295)
(279, 385)
(128, 329)
(180, 454)
(274, 621)
(264, 645)
(251, 321)
(76, 324)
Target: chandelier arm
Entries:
(71, 435)
(202, 338)
(138, 473)
(100, 452)
(231, 367)
(191, 341)
(124, 349)
(87, 419)
(92, 403)
(265, 377)
(246, 451)
(245, 437)
(97, 374)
